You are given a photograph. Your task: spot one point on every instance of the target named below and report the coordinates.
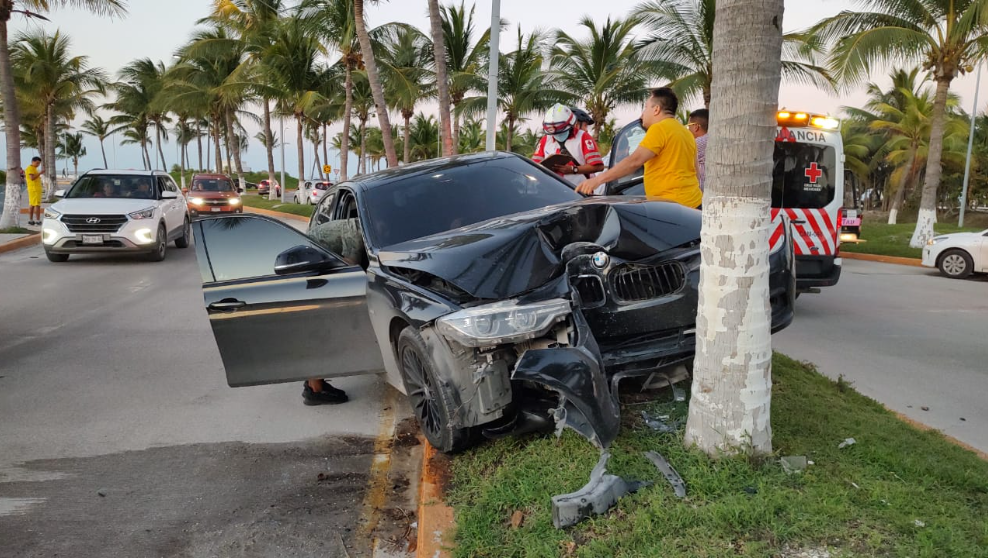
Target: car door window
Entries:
(225, 239)
(323, 212)
(162, 185)
(341, 233)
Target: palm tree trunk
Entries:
(362, 166)
(301, 152)
(315, 155)
(375, 84)
(269, 147)
(900, 194)
(51, 165)
(145, 157)
(347, 110)
(199, 143)
(11, 215)
(181, 166)
(161, 150)
(456, 132)
(928, 204)
(75, 166)
(233, 142)
(509, 134)
(216, 143)
(102, 149)
(732, 379)
(442, 81)
(407, 137)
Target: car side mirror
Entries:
(304, 259)
(169, 195)
(59, 193)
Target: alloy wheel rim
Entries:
(161, 242)
(954, 264)
(421, 392)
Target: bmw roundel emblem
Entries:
(600, 260)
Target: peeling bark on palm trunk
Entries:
(269, 145)
(732, 384)
(373, 78)
(12, 201)
(928, 204)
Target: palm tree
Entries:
(607, 69)
(71, 147)
(405, 55)
(465, 59)
(442, 80)
(945, 36)
(148, 78)
(471, 136)
(100, 129)
(373, 78)
(60, 82)
(185, 133)
(523, 87)
(682, 36)
(334, 22)
(8, 92)
(424, 138)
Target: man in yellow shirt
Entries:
(33, 177)
(668, 153)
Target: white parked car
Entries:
(958, 255)
(310, 192)
(117, 211)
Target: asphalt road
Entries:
(120, 437)
(906, 337)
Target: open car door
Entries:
(281, 307)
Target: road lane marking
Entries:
(18, 506)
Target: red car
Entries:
(212, 194)
(264, 188)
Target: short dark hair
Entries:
(33, 159)
(666, 99)
(701, 117)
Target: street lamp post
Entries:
(284, 185)
(970, 146)
(492, 74)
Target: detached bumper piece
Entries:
(595, 498)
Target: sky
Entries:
(156, 28)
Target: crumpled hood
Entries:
(505, 257)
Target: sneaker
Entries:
(30, 223)
(328, 396)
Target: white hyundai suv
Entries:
(117, 211)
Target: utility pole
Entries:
(492, 75)
(970, 146)
(284, 185)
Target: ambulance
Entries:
(807, 190)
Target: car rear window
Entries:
(804, 175)
(323, 185)
(457, 196)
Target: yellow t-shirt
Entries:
(32, 170)
(671, 174)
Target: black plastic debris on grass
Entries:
(678, 485)
(595, 498)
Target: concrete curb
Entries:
(272, 213)
(30, 240)
(915, 262)
(435, 517)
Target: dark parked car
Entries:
(493, 295)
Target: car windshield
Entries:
(113, 186)
(212, 185)
(457, 196)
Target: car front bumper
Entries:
(138, 236)
(203, 210)
(930, 255)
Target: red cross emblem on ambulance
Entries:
(813, 173)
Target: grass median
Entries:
(897, 492)
(262, 202)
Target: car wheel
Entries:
(161, 245)
(956, 264)
(183, 241)
(295, 198)
(57, 258)
(431, 400)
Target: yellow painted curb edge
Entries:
(435, 517)
(882, 259)
(30, 240)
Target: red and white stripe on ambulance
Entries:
(808, 187)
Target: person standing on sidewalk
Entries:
(668, 153)
(33, 177)
(698, 123)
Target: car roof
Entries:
(387, 176)
(127, 172)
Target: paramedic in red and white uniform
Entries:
(562, 136)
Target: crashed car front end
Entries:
(553, 310)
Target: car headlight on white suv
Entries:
(52, 214)
(147, 213)
(502, 322)
(935, 239)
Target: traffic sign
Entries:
(327, 169)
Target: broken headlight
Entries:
(502, 322)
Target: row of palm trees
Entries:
(318, 63)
